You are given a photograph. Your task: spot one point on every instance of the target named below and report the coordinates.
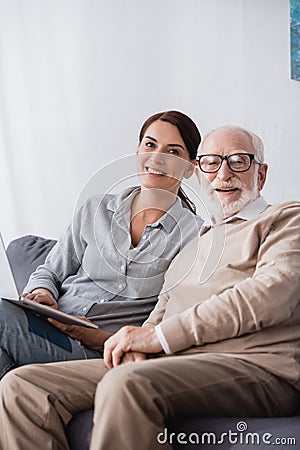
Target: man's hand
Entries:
(133, 357)
(43, 296)
(89, 337)
(130, 339)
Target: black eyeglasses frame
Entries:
(222, 158)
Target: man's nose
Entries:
(224, 173)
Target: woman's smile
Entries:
(152, 171)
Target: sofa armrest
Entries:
(25, 254)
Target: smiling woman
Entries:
(109, 265)
(184, 140)
(164, 159)
(166, 154)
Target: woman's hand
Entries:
(43, 296)
(89, 337)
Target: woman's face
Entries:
(162, 158)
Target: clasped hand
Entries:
(130, 343)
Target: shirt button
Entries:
(84, 308)
(145, 236)
(122, 267)
(102, 300)
(121, 286)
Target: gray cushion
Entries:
(79, 430)
(25, 254)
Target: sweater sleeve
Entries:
(63, 260)
(265, 299)
(157, 314)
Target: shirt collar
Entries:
(170, 219)
(121, 204)
(124, 199)
(249, 211)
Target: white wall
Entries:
(78, 78)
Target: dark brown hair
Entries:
(190, 135)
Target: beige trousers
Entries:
(132, 401)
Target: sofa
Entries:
(27, 252)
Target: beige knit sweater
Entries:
(236, 290)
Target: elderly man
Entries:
(228, 319)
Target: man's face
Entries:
(233, 190)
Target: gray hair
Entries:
(256, 141)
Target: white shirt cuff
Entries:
(162, 340)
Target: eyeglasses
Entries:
(237, 162)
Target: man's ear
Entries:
(198, 174)
(137, 150)
(190, 169)
(262, 175)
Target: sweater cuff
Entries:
(162, 340)
(175, 335)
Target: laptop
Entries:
(9, 292)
